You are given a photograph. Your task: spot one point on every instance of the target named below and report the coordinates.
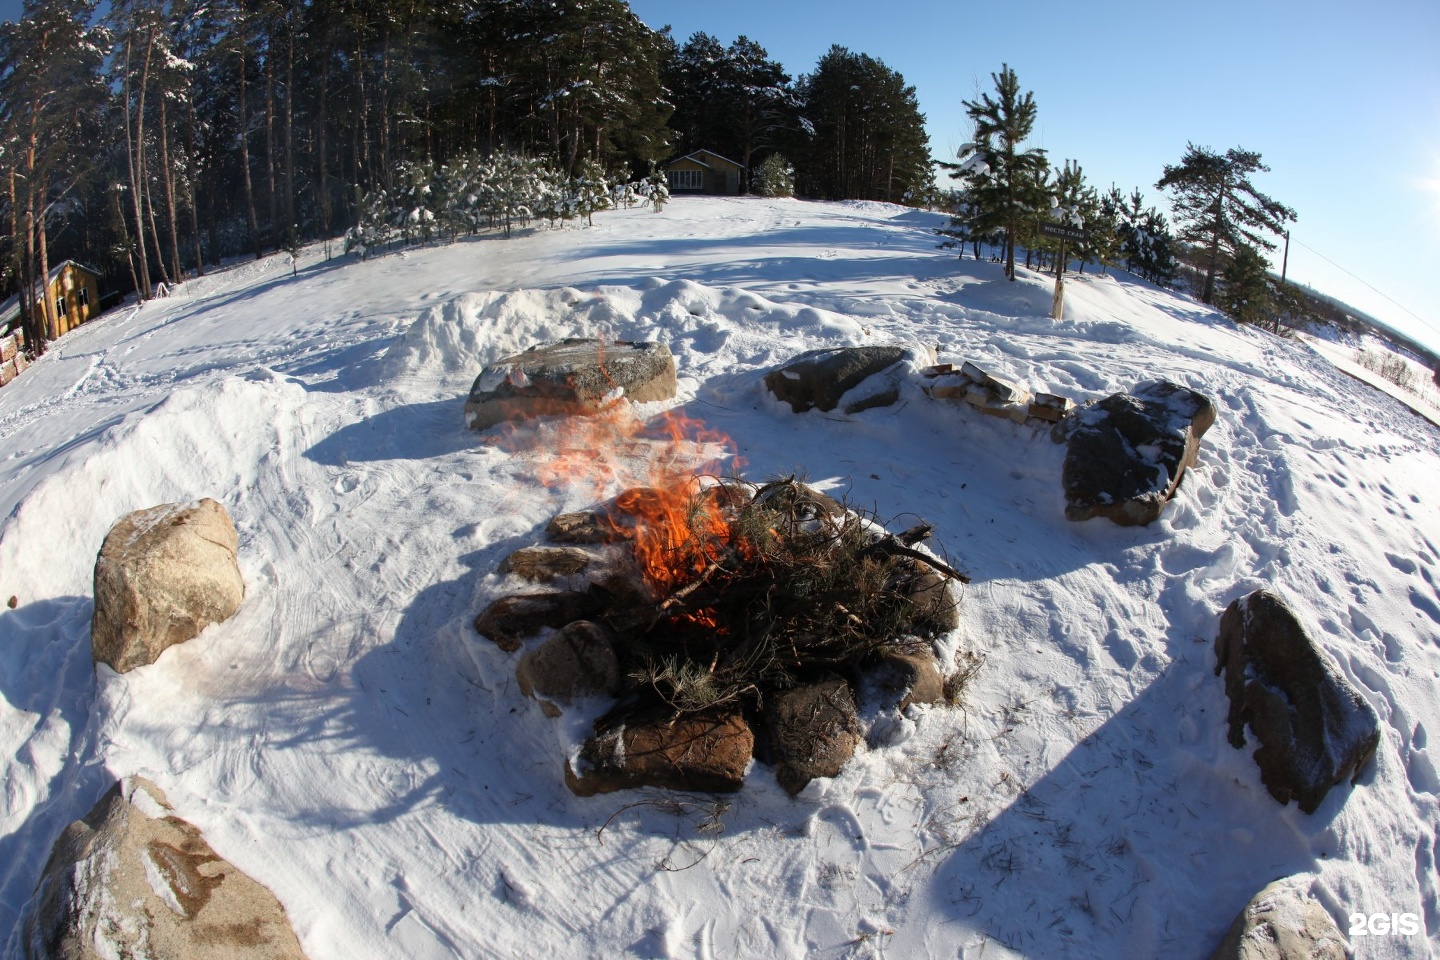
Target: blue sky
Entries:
(1342, 99)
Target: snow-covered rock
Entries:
(576, 376)
(1128, 453)
(826, 379)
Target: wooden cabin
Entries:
(72, 293)
(703, 171)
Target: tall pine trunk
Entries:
(245, 153)
(273, 230)
(191, 176)
(168, 181)
(289, 125)
(134, 145)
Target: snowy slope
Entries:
(349, 741)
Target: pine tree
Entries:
(657, 190)
(775, 177)
(1219, 209)
(1245, 289)
(1012, 186)
(51, 96)
(862, 134)
(590, 190)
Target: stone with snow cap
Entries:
(163, 575)
(1314, 728)
(134, 880)
(575, 376)
(823, 379)
(1127, 453)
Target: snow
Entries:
(349, 741)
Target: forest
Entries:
(152, 139)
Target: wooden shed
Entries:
(703, 171)
(72, 296)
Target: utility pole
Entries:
(1285, 261)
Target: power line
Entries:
(1368, 284)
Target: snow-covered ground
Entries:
(350, 742)
(1424, 399)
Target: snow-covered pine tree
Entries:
(413, 201)
(775, 177)
(657, 190)
(590, 190)
(374, 223)
(514, 189)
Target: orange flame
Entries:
(656, 465)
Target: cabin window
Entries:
(60, 306)
(687, 179)
(84, 298)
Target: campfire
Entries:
(700, 604)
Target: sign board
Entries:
(1061, 231)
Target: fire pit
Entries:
(714, 609)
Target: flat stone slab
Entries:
(579, 376)
(1127, 453)
(1314, 727)
(701, 752)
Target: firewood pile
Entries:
(701, 610)
(993, 395)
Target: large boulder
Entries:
(575, 376)
(1283, 922)
(163, 575)
(707, 752)
(814, 730)
(134, 880)
(577, 660)
(1314, 728)
(821, 378)
(1127, 453)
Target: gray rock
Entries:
(701, 752)
(820, 378)
(1314, 728)
(124, 883)
(163, 575)
(575, 376)
(578, 659)
(1127, 453)
(1283, 923)
(813, 731)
